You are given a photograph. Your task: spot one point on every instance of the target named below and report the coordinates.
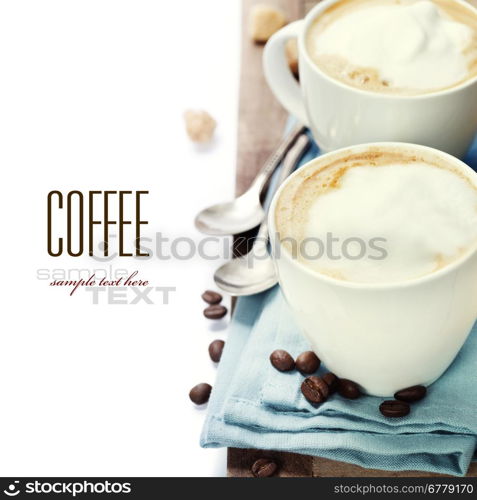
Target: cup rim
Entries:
(325, 4)
(466, 169)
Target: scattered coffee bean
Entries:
(307, 362)
(411, 394)
(348, 389)
(315, 389)
(215, 312)
(264, 467)
(212, 297)
(394, 409)
(215, 350)
(200, 393)
(282, 361)
(332, 381)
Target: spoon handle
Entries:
(274, 159)
(293, 156)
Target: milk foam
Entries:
(425, 217)
(413, 46)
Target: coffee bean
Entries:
(307, 362)
(348, 389)
(212, 297)
(315, 389)
(394, 409)
(215, 312)
(200, 394)
(215, 350)
(264, 467)
(282, 361)
(411, 394)
(332, 381)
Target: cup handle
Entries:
(278, 75)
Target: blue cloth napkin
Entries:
(254, 406)
(471, 158)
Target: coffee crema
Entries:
(406, 47)
(378, 216)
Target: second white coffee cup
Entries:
(340, 115)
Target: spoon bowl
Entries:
(245, 212)
(244, 276)
(232, 217)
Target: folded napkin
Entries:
(255, 406)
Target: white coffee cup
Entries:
(385, 337)
(340, 115)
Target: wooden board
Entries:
(261, 122)
(293, 465)
(261, 117)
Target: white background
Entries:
(91, 97)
